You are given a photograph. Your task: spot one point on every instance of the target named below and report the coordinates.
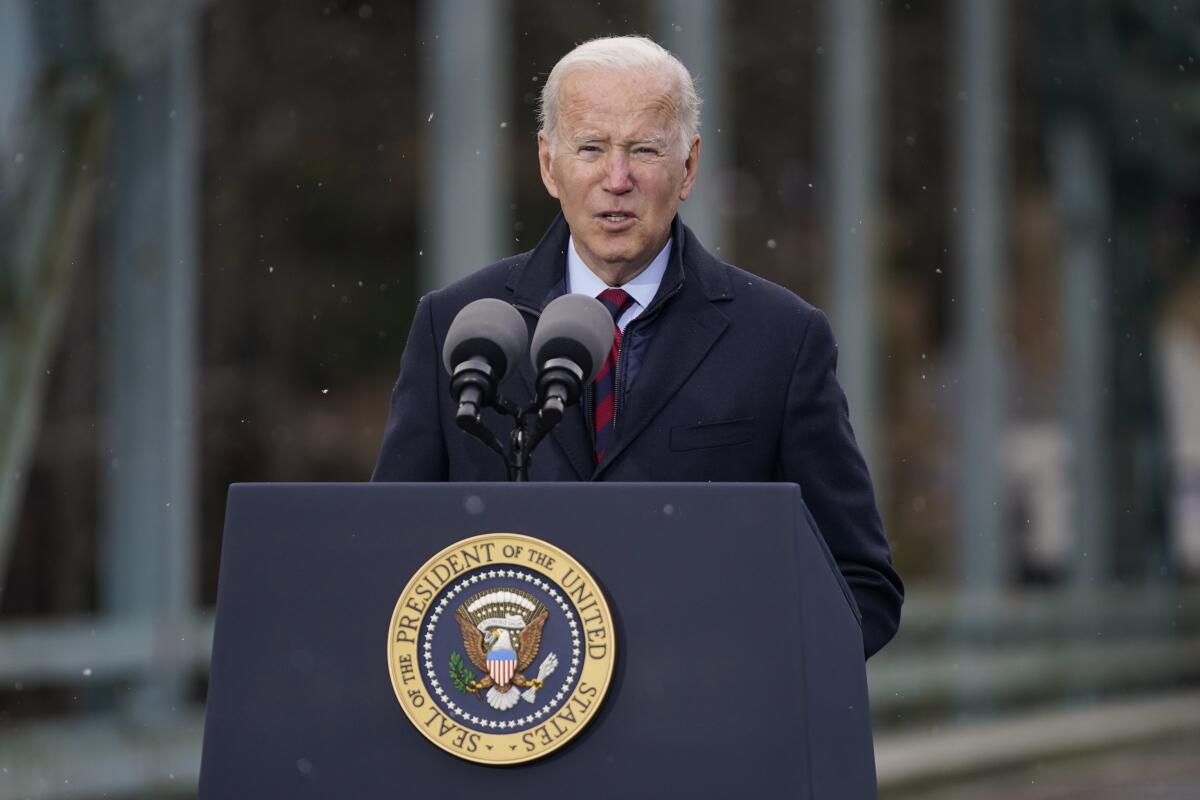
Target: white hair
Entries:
(638, 53)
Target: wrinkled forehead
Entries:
(625, 100)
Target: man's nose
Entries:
(617, 177)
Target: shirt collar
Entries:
(581, 279)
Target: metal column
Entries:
(981, 38)
(851, 102)
(467, 117)
(18, 65)
(1082, 196)
(51, 132)
(19, 382)
(692, 30)
(149, 568)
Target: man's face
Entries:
(617, 168)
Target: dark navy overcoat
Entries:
(725, 376)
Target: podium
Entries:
(739, 667)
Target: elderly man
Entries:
(717, 375)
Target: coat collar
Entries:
(540, 278)
(690, 324)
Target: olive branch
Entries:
(459, 674)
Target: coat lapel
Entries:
(570, 434)
(688, 326)
(535, 283)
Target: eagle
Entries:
(502, 654)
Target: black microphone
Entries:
(482, 347)
(573, 337)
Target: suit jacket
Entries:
(735, 381)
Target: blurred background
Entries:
(216, 219)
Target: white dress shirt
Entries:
(581, 280)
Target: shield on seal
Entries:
(501, 666)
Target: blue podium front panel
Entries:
(739, 667)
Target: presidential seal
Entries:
(501, 648)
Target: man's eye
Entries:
(589, 148)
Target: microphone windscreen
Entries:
(577, 327)
(487, 328)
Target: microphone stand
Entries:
(522, 440)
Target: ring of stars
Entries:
(483, 722)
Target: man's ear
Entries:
(689, 167)
(544, 160)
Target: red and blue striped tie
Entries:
(616, 301)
